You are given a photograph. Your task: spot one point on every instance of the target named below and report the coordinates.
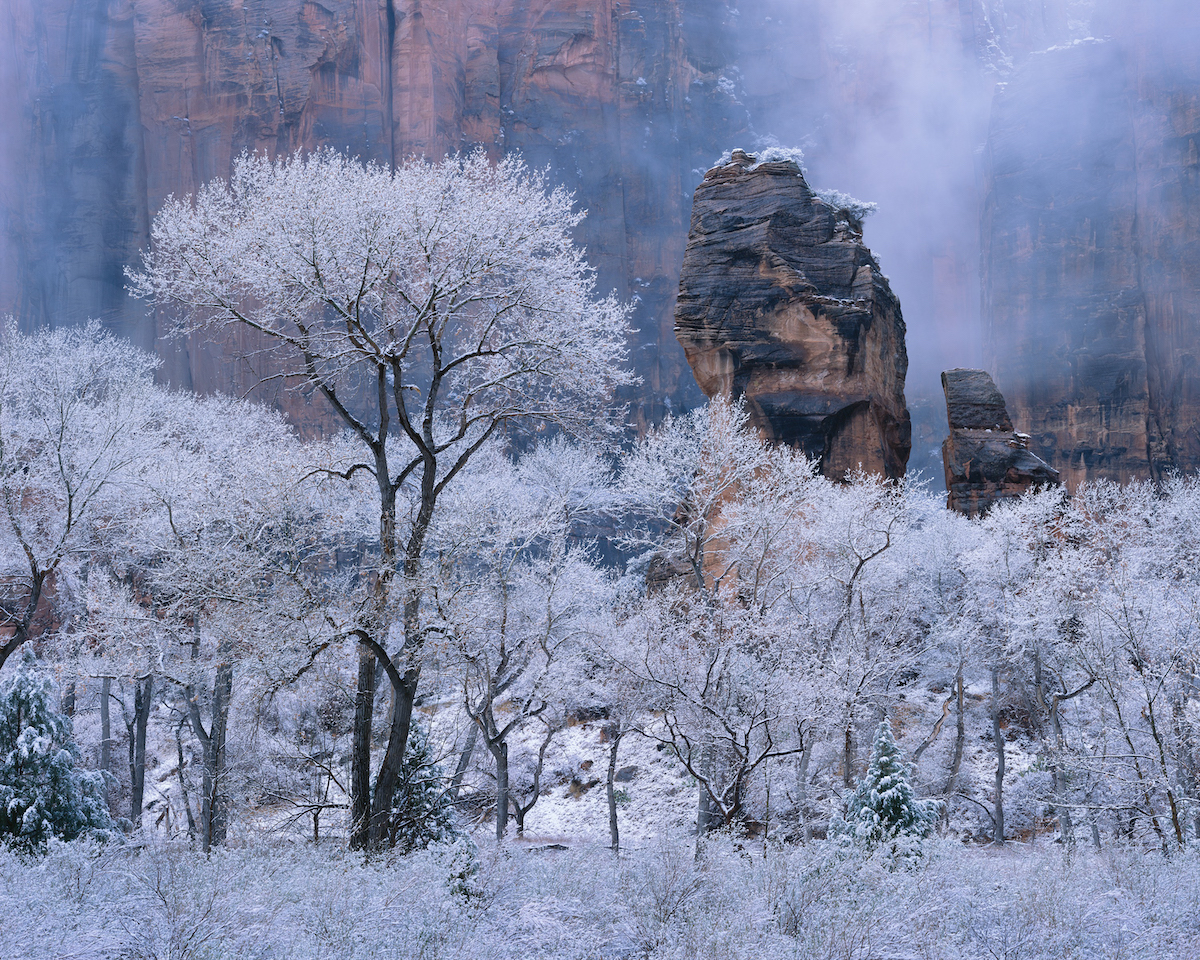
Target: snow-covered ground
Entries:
(294, 901)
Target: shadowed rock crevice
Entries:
(781, 304)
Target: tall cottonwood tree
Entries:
(431, 306)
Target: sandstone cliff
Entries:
(986, 461)
(111, 105)
(1091, 267)
(780, 303)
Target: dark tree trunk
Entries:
(214, 816)
(998, 738)
(360, 757)
(464, 761)
(68, 698)
(499, 751)
(403, 697)
(136, 725)
(521, 810)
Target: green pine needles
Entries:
(421, 810)
(884, 809)
(43, 794)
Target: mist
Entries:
(107, 108)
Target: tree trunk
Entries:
(960, 734)
(614, 833)
(705, 816)
(500, 753)
(218, 821)
(393, 760)
(1065, 828)
(848, 755)
(360, 756)
(802, 790)
(464, 761)
(136, 726)
(183, 787)
(998, 737)
(106, 735)
(213, 814)
(68, 698)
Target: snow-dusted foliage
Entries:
(43, 792)
(767, 150)
(884, 807)
(75, 407)
(846, 206)
(303, 902)
(434, 307)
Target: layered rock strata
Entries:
(781, 304)
(1091, 262)
(986, 461)
(111, 105)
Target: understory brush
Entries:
(299, 902)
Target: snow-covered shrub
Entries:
(884, 808)
(767, 150)
(42, 792)
(847, 207)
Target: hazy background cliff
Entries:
(1054, 188)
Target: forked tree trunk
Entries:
(403, 698)
(499, 752)
(214, 814)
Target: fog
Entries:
(891, 100)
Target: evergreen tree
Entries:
(421, 811)
(884, 807)
(42, 791)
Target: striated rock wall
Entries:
(1091, 250)
(111, 105)
(986, 461)
(780, 303)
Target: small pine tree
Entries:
(884, 807)
(43, 794)
(421, 811)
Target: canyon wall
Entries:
(112, 105)
(1091, 249)
(783, 306)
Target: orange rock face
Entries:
(112, 105)
(1091, 266)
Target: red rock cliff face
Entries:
(111, 105)
(1091, 252)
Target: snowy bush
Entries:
(768, 150)
(884, 809)
(847, 207)
(42, 793)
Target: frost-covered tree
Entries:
(43, 791)
(432, 307)
(519, 598)
(421, 809)
(74, 407)
(884, 807)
